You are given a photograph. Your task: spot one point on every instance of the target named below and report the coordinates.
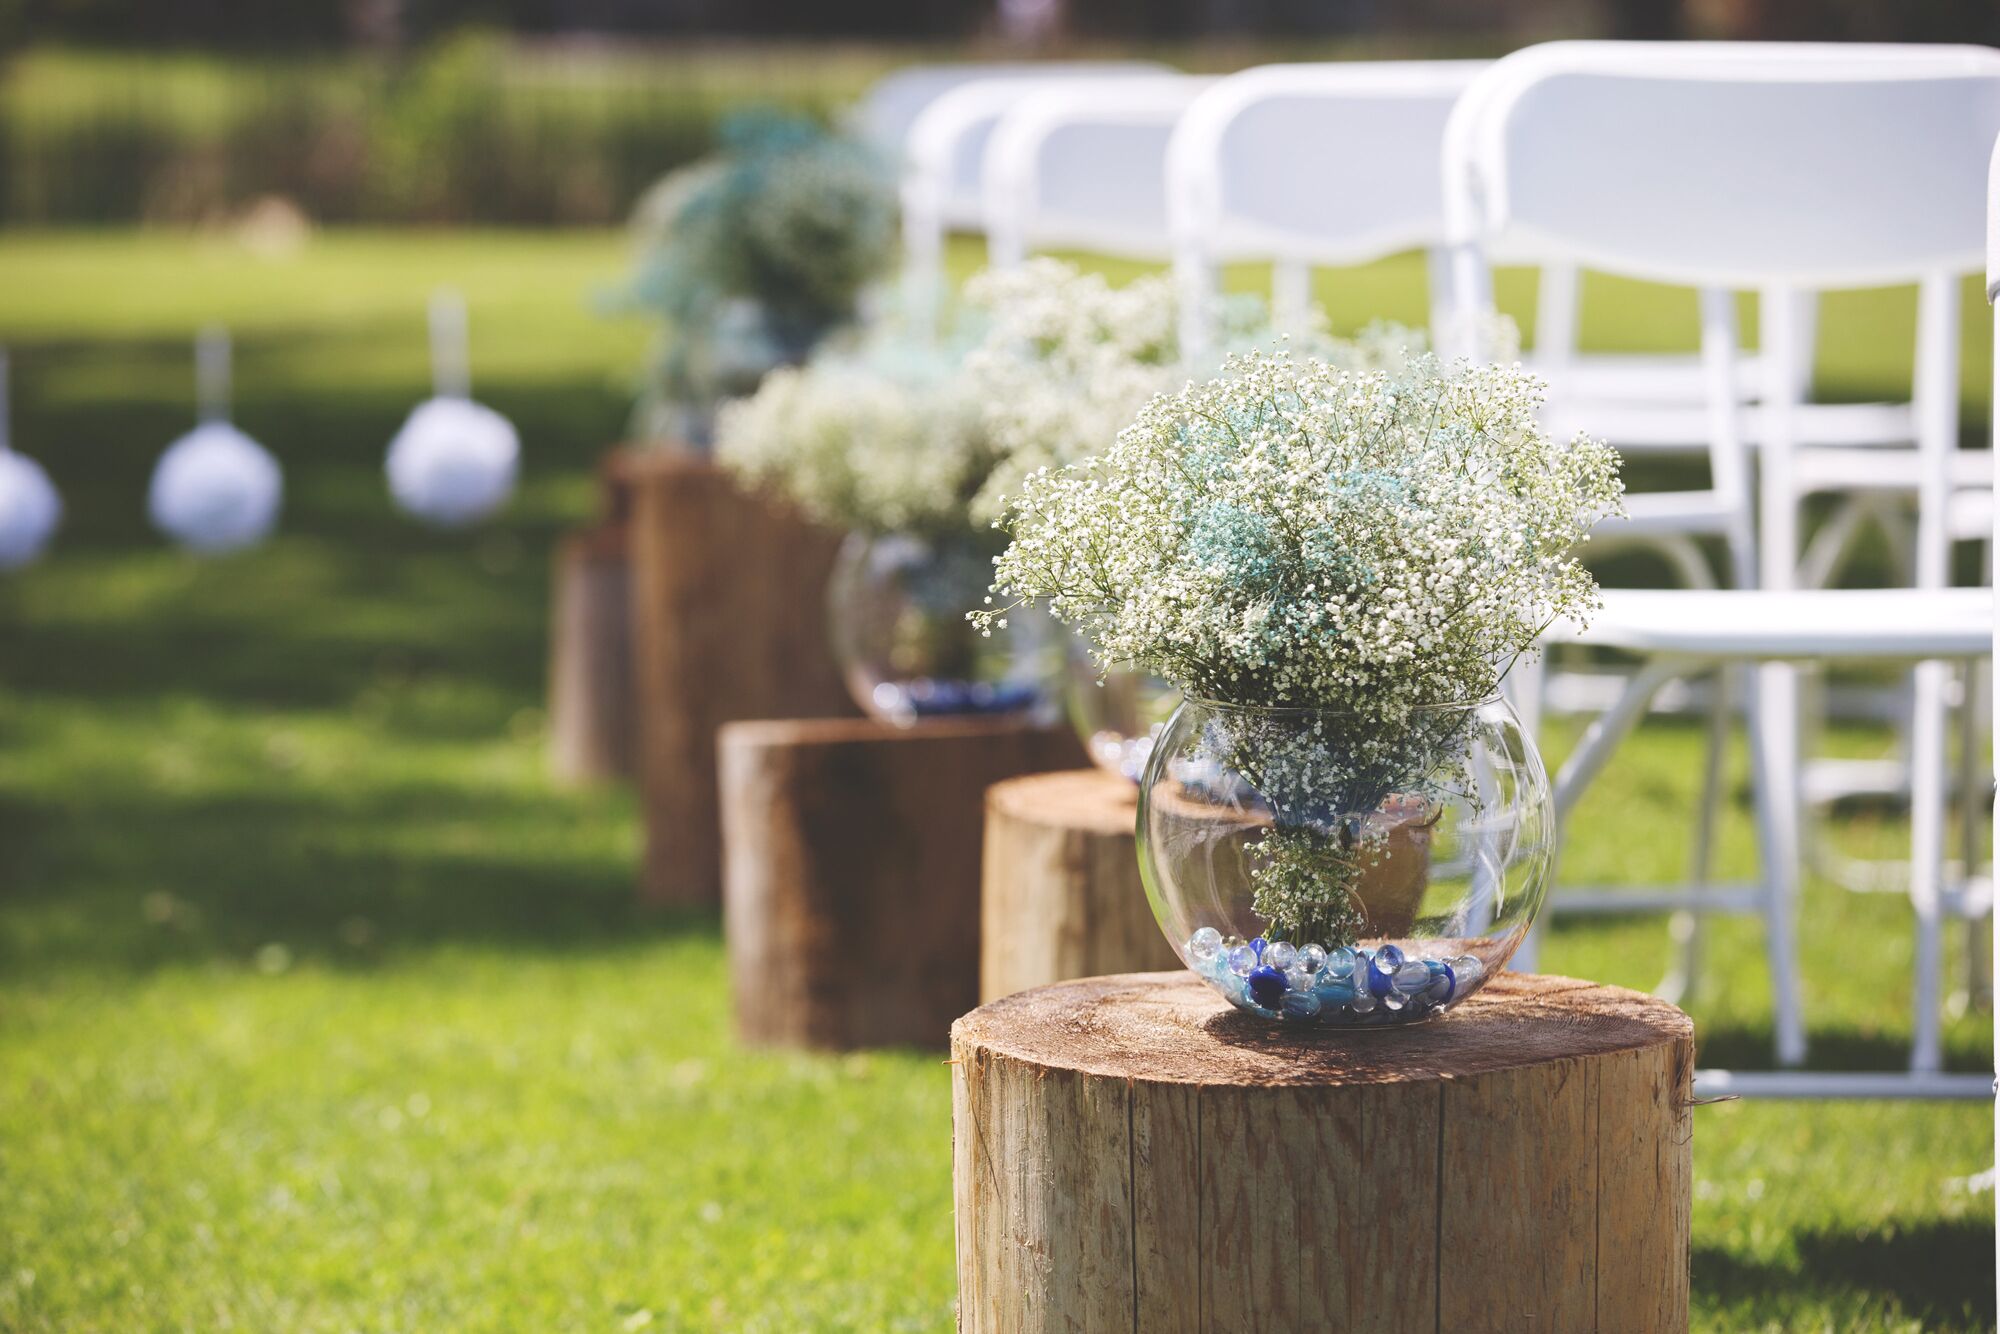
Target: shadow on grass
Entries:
(1938, 1273)
(348, 880)
(1832, 1048)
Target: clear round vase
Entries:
(897, 605)
(1118, 715)
(1340, 869)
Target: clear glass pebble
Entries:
(1311, 958)
(1298, 979)
(1205, 944)
(1339, 963)
(1242, 960)
(1413, 978)
(1281, 954)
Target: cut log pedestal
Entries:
(1131, 1153)
(728, 622)
(1060, 894)
(851, 896)
(593, 718)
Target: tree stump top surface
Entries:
(1171, 1028)
(848, 731)
(1087, 799)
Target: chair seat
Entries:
(1861, 468)
(1658, 513)
(1897, 624)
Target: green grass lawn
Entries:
(322, 1009)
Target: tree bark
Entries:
(1131, 1153)
(851, 886)
(1060, 894)
(728, 622)
(593, 717)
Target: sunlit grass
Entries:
(321, 1009)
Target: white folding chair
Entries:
(1083, 167)
(1778, 169)
(943, 154)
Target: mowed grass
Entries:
(322, 1009)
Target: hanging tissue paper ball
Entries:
(29, 510)
(453, 461)
(215, 489)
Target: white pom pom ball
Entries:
(453, 461)
(30, 509)
(215, 489)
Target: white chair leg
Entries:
(1927, 836)
(1686, 926)
(1774, 755)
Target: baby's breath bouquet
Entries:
(1373, 546)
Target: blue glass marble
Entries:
(1266, 986)
(1334, 993)
(1299, 1005)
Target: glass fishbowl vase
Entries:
(897, 606)
(1342, 870)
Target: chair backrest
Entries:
(1330, 164)
(883, 116)
(1307, 164)
(1085, 166)
(1732, 164)
(944, 156)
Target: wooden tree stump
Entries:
(593, 719)
(728, 622)
(1131, 1153)
(851, 894)
(1060, 894)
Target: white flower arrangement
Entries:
(1368, 544)
(877, 436)
(1068, 359)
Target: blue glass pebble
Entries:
(1444, 983)
(1334, 991)
(1259, 944)
(1380, 979)
(1300, 1005)
(1266, 986)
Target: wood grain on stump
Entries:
(1132, 1153)
(851, 887)
(728, 622)
(1060, 894)
(593, 718)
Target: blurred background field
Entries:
(322, 1009)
